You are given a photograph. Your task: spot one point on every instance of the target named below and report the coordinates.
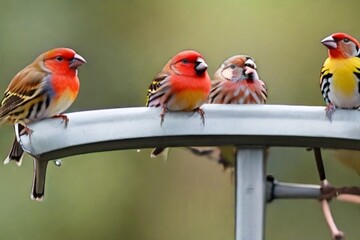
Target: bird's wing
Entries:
(25, 86)
(325, 77)
(159, 86)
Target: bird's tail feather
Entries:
(16, 153)
(224, 155)
(160, 150)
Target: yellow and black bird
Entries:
(340, 74)
(340, 84)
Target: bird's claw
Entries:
(162, 115)
(202, 114)
(26, 130)
(64, 118)
(330, 109)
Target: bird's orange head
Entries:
(341, 45)
(61, 60)
(188, 63)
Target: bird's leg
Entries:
(162, 115)
(330, 109)
(202, 114)
(24, 129)
(64, 118)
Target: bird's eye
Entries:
(185, 61)
(346, 40)
(59, 59)
(232, 66)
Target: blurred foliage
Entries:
(127, 195)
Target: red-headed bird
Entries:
(182, 85)
(44, 89)
(235, 82)
(340, 74)
(339, 83)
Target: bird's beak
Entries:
(200, 65)
(329, 42)
(77, 61)
(250, 63)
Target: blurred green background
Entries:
(127, 195)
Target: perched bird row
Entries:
(237, 82)
(48, 86)
(180, 87)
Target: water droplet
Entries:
(58, 162)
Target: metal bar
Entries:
(282, 190)
(225, 124)
(250, 194)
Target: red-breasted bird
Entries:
(182, 85)
(235, 82)
(44, 89)
(340, 74)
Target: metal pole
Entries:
(282, 190)
(250, 194)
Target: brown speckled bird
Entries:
(235, 82)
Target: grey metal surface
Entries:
(281, 190)
(250, 194)
(255, 125)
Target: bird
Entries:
(340, 73)
(44, 89)
(182, 85)
(235, 82)
(339, 84)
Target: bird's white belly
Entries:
(344, 101)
